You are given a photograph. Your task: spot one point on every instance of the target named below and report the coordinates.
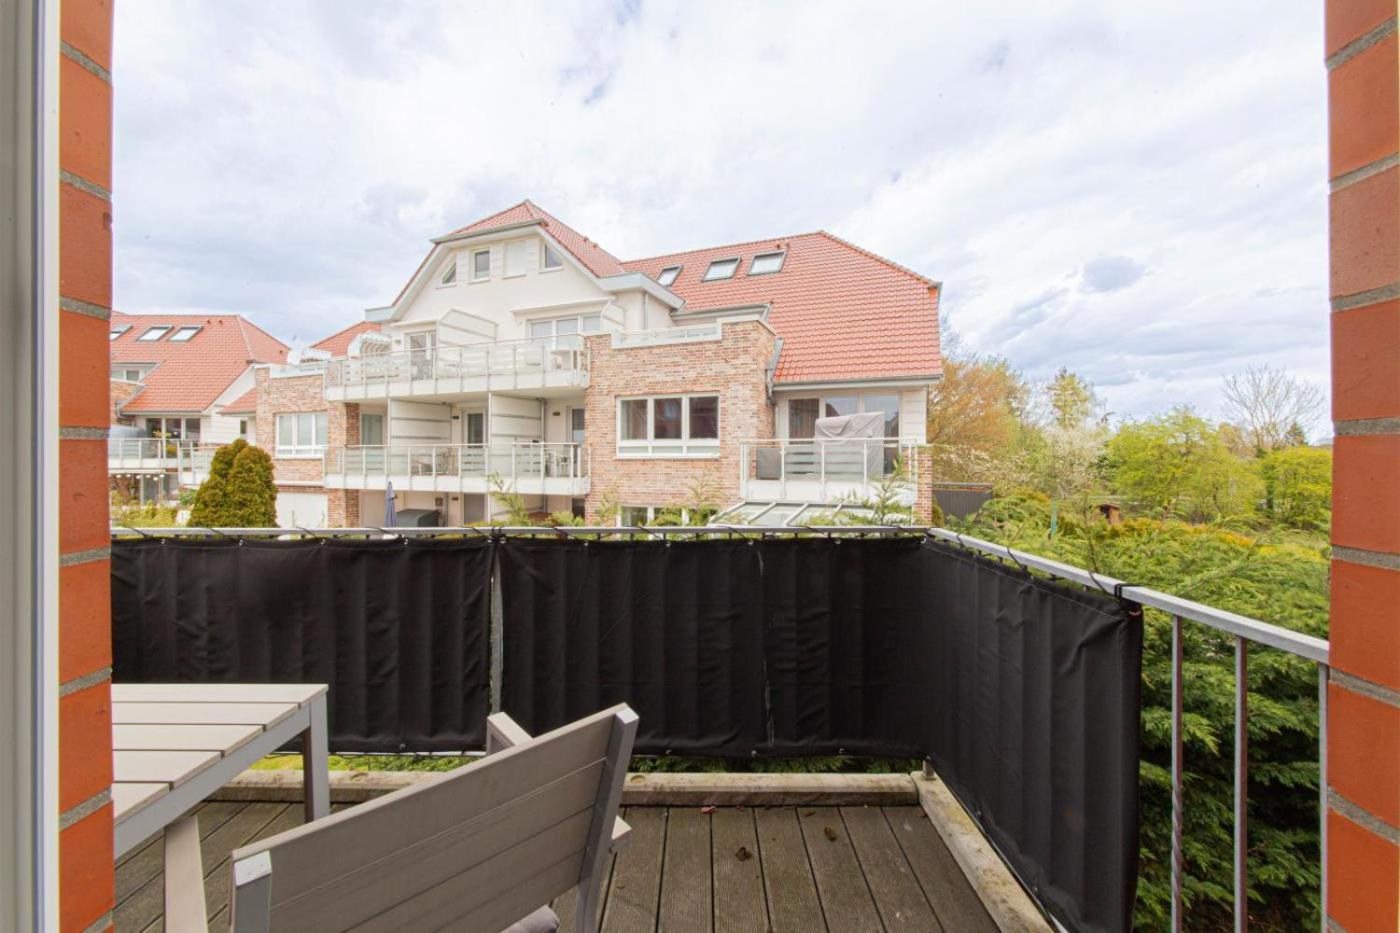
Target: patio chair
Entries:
(481, 849)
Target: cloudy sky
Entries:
(1133, 190)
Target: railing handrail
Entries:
(430, 446)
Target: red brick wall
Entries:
(1363, 764)
(280, 395)
(732, 367)
(86, 889)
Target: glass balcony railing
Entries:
(464, 367)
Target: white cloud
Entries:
(1105, 186)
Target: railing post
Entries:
(1176, 776)
(1241, 784)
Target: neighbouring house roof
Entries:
(843, 313)
(189, 376)
(246, 403)
(596, 259)
(338, 343)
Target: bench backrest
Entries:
(476, 850)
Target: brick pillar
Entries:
(1363, 764)
(923, 490)
(86, 889)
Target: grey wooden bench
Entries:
(480, 849)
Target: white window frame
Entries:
(707, 277)
(681, 448)
(552, 339)
(296, 450)
(779, 253)
(118, 330)
(676, 273)
(524, 258)
(549, 251)
(451, 270)
(383, 427)
(190, 330)
(472, 271)
(821, 397)
(160, 330)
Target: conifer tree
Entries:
(208, 507)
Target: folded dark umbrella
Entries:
(390, 517)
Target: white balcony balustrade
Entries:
(827, 469)
(556, 362)
(145, 454)
(531, 468)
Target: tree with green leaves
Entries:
(208, 508)
(1071, 400)
(250, 498)
(1180, 465)
(1298, 486)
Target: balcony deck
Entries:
(766, 868)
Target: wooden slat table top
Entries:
(216, 693)
(166, 736)
(166, 767)
(233, 714)
(130, 796)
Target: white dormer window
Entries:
(668, 275)
(517, 253)
(185, 334)
(450, 276)
(552, 260)
(721, 269)
(766, 263)
(119, 330)
(155, 333)
(481, 265)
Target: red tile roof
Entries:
(842, 312)
(338, 343)
(245, 403)
(189, 376)
(597, 260)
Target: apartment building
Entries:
(522, 359)
(176, 380)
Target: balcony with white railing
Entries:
(145, 454)
(529, 468)
(500, 366)
(826, 469)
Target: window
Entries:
(371, 430)
(561, 331)
(517, 252)
(450, 276)
(155, 333)
(302, 434)
(802, 417)
(129, 374)
(118, 331)
(576, 423)
(837, 405)
(766, 263)
(576, 506)
(552, 259)
(668, 275)
(637, 515)
(423, 341)
(184, 334)
(481, 265)
(668, 426)
(721, 269)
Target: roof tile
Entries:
(189, 376)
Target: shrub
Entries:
(208, 509)
(250, 499)
(1298, 486)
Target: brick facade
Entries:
(86, 889)
(732, 367)
(306, 393)
(1363, 820)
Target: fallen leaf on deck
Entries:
(830, 833)
(743, 854)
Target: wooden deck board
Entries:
(846, 899)
(739, 901)
(954, 901)
(793, 904)
(681, 870)
(687, 900)
(897, 893)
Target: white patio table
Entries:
(175, 744)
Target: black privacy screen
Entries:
(1024, 693)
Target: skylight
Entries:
(668, 275)
(185, 333)
(766, 263)
(155, 333)
(118, 331)
(721, 269)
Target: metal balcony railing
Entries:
(1247, 633)
(462, 365)
(827, 460)
(507, 461)
(146, 452)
